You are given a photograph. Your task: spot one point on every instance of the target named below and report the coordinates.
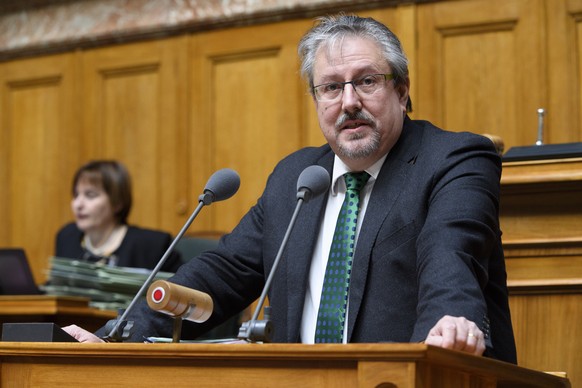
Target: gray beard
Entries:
(359, 151)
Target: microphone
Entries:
(179, 301)
(222, 185)
(312, 181)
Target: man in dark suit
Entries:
(428, 265)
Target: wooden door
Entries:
(563, 51)
(135, 112)
(482, 67)
(246, 110)
(39, 151)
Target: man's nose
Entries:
(351, 100)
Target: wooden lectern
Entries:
(61, 310)
(541, 219)
(256, 365)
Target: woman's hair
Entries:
(329, 31)
(114, 178)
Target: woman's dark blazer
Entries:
(140, 248)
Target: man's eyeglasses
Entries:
(364, 86)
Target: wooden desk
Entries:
(256, 365)
(541, 220)
(61, 310)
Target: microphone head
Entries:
(312, 181)
(223, 184)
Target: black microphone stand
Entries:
(314, 180)
(256, 330)
(221, 185)
(117, 335)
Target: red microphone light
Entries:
(158, 295)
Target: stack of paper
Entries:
(109, 288)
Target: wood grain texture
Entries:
(258, 365)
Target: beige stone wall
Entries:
(30, 27)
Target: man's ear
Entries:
(403, 93)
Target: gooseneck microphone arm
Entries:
(261, 331)
(223, 184)
(313, 181)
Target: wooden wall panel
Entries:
(246, 110)
(545, 325)
(135, 113)
(39, 150)
(482, 67)
(563, 49)
(566, 81)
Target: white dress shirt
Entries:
(335, 200)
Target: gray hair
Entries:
(330, 30)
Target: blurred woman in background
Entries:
(101, 205)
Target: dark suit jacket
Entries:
(429, 245)
(140, 248)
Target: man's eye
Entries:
(331, 87)
(367, 81)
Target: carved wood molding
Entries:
(541, 172)
(545, 286)
(35, 27)
(531, 248)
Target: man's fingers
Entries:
(457, 333)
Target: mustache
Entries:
(359, 115)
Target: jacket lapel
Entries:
(392, 177)
(299, 253)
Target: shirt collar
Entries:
(340, 168)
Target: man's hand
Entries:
(81, 335)
(457, 333)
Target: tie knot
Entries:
(356, 180)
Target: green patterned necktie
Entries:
(331, 316)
